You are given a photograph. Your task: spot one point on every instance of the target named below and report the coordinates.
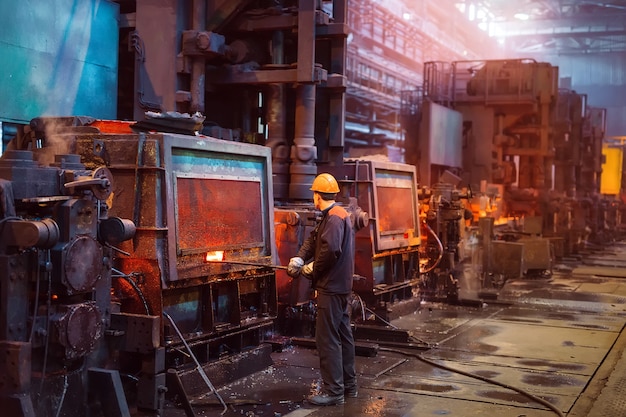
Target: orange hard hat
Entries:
(325, 183)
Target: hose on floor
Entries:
(527, 394)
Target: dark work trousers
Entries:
(335, 343)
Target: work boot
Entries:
(326, 399)
(351, 392)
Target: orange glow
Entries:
(500, 221)
(113, 126)
(217, 255)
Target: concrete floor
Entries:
(558, 339)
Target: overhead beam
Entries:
(561, 35)
(582, 23)
(568, 44)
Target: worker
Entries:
(327, 258)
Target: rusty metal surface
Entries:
(537, 254)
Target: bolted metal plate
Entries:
(83, 263)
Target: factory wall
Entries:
(59, 58)
(602, 77)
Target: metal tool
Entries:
(250, 264)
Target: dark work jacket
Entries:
(331, 246)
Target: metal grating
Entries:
(612, 401)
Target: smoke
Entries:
(68, 40)
(48, 141)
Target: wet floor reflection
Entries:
(528, 337)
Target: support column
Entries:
(303, 152)
(276, 125)
(198, 66)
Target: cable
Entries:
(480, 378)
(204, 376)
(48, 309)
(133, 284)
(118, 250)
(36, 303)
(381, 319)
(62, 399)
(416, 339)
(5, 219)
(362, 306)
(439, 246)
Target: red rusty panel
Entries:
(218, 214)
(395, 209)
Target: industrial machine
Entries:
(387, 251)
(526, 150)
(382, 198)
(195, 282)
(446, 217)
(507, 107)
(115, 278)
(138, 255)
(57, 262)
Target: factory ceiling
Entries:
(552, 26)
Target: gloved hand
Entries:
(294, 267)
(307, 271)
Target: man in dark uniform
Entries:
(327, 258)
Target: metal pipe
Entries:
(303, 152)
(276, 124)
(198, 65)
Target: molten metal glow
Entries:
(217, 255)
